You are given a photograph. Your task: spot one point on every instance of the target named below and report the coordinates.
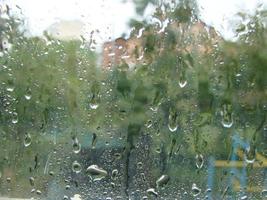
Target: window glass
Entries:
(141, 99)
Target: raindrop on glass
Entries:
(10, 88)
(152, 192)
(94, 140)
(94, 102)
(264, 193)
(250, 155)
(172, 123)
(76, 167)
(76, 146)
(245, 197)
(162, 180)
(15, 118)
(28, 94)
(27, 140)
(31, 180)
(182, 83)
(114, 174)
(96, 173)
(199, 161)
(227, 116)
(195, 190)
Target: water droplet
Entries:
(117, 156)
(94, 140)
(244, 197)
(195, 190)
(114, 174)
(163, 180)
(93, 105)
(10, 88)
(227, 116)
(250, 155)
(149, 123)
(154, 108)
(28, 94)
(156, 101)
(182, 83)
(65, 197)
(76, 197)
(152, 192)
(172, 123)
(27, 140)
(199, 161)
(94, 102)
(208, 191)
(31, 179)
(96, 173)
(38, 192)
(76, 146)
(139, 165)
(76, 167)
(15, 118)
(264, 193)
(172, 127)
(51, 173)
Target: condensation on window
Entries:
(142, 99)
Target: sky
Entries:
(110, 17)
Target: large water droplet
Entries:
(199, 161)
(156, 101)
(152, 192)
(172, 123)
(76, 197)
(28, 94)
(94, 102)
(76, 146)
(96, 173)
(250, 155)
(93, 105)
(227, 116)
(182, 83)
(10, 88)
(114, 174)
(163, 180)
(149, 123)
(27, 140)
(76, 167)
(244, 197)
(264, 193)
(195, 190)
(15, 118)
(31, 179)
(94, 140)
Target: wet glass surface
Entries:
(142, 99)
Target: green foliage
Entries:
(181, 99)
